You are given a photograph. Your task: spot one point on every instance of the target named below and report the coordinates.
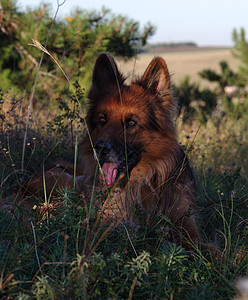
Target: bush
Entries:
(194, 102)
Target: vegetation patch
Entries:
(62, 250)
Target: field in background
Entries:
(182, 63)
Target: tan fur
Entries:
(161, 181)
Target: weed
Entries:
(61, 250)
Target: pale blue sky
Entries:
(208, 22)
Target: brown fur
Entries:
(131, 126)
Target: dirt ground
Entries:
(182, 63)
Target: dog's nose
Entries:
(102, 147)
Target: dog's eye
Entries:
(131, 123)
(102, 119)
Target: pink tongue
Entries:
(110, 171)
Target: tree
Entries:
(193, 101)
(75, 42)
(226, 77)
(241, 51)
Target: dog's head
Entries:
(128, 122)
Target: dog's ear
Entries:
(157, 77)
(106, 72)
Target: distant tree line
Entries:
(165, 46)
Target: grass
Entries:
(63, 252)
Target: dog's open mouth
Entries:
(114, 163)
(112, 171)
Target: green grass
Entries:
(65, 253)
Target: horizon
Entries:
(215, 20)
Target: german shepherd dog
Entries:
(131, 149)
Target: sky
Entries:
(207, 23)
